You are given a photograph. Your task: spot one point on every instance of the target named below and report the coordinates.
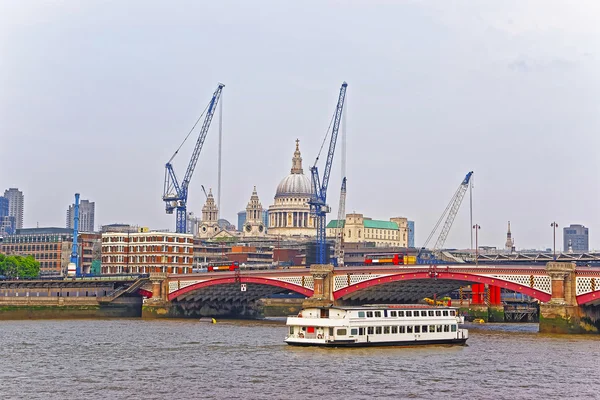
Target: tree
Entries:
(19, 266)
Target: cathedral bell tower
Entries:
(210, 225)
(254, 225)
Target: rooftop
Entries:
(368, 223)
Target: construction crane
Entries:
(450, 213)
(339, 229)
(73, 269)
(175, 195)
(318, 202)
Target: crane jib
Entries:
(175, 194)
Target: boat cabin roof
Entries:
(389, 307)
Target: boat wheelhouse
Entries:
(376, 325)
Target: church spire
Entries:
(510, 244)
(297, 160)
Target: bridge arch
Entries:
(243, 279)
(590, 297)
(466, 277)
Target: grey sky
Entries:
(96, 95)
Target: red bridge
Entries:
(557, 284)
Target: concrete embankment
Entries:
(68, 308)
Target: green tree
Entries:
(19, 266)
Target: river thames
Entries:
(188, 359)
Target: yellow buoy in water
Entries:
(214, 321)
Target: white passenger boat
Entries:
(376, 325)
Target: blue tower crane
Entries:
(318, 202)
(175, 195)
(73, 269)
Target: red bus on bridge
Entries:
(389, 258)
(223, 266)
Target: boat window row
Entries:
(392, 330)
(406, 313)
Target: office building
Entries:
(87, 210)
(577, 236)
(360, 229)
(411, 233)
(16, 202)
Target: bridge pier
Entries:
(323, 286)
(157, 306)
(562, 314)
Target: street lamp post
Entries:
(477, 228)
(554, 225)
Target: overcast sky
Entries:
(95, 96)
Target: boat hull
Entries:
(342, 343)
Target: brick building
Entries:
(145, 252)
(52, 248)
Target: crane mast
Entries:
(175, 195)
(339, 231)
(73, 269)
(450, 213)
(318, 202)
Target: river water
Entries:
(185, 359)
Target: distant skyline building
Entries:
(411, 233)
(3, 206)
(578, 236)
(16, 202)
(87, 211)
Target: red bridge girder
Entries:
(242, 279)
(440, 274)
(588, 297)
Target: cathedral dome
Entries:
(296, 183)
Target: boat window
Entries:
(453, 328)
(341, 332)
(324, 313)
(377, 314)
(361, 314)
(386, 330)
(385, 313)
(402, 329)
(330, 331)
(354, 331)
(408, 313)
(291, 330)
(370, 330)
(361, 331)
(369, 314)
(430, 313)
(417, 329)
(438, 328)
(401, 313)
(452, 313)
(438, 313)
(424, 328)
(409, 329)
(423, 313)
(394, 329)
(445, 313)
(446, 328)
(431, 328)
(378, 330)
(392, 313)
